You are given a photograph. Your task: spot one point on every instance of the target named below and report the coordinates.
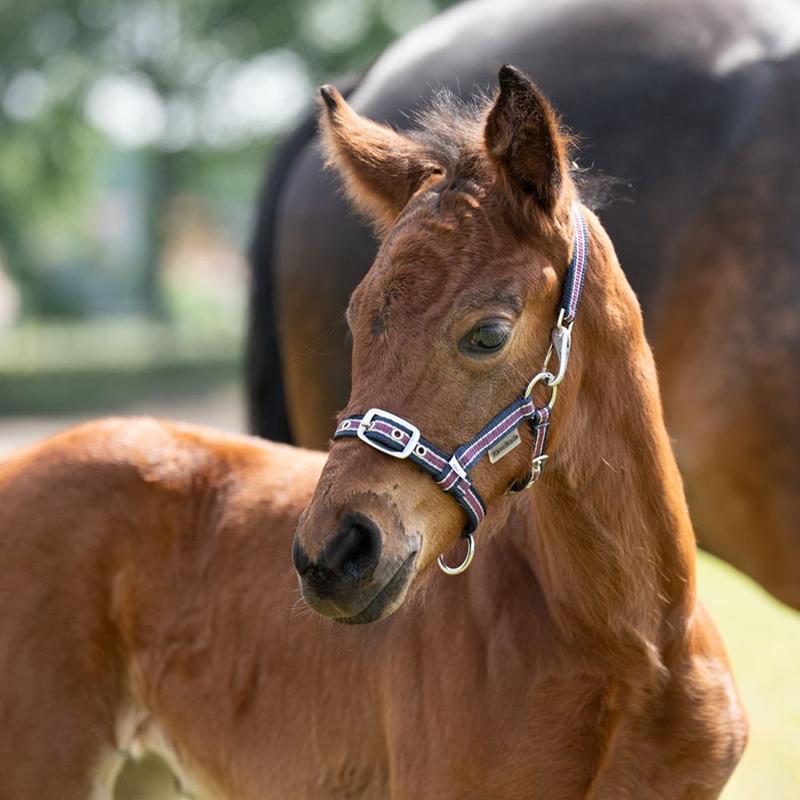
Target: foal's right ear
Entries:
(381, 168)
(524, 139)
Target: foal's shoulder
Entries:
(713, 719)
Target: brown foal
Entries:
(149, 599)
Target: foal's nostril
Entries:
(355, 550)
(299, 557)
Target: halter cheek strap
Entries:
(396, 437)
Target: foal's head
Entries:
(448, 325)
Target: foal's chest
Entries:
(504, 742)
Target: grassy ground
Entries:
(62, 368)
(763, 639)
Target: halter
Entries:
(396, 437)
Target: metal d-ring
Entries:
(547, 377)
(465, 563)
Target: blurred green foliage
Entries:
(162, 93)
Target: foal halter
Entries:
(398, 438)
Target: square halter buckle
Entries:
(399, 422)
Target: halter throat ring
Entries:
(394, 436)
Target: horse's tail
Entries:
(266, 399)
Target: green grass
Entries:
(52, 367)
(763, 641)
(120, 343)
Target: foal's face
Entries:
(448, 326)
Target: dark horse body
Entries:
(694, 104)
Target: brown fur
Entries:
(148, 565)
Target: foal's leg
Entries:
(60, 666)
(679, 738)
(59, 752)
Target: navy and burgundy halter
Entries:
(398, 438)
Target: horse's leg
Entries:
(729, 378)
(727, 342)
(60, 663)
(61, 750)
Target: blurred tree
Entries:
(44, 142)
(176, 81)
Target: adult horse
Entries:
(690, 101)
(145, 567)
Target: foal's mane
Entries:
(450, 128)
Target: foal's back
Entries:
(93, 526)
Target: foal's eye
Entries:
(486, 338)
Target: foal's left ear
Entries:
(525, 142)
(381, 167)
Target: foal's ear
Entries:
(381, 168)
(525, 142)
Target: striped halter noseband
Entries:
(396, 437)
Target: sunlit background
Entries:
(134, 136)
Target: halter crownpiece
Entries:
(398, 438)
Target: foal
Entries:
(145, 569)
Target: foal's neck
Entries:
(612, 544)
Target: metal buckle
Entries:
(536, 469)
(366, 421)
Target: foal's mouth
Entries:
(390, 596)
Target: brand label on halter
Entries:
(504, 446)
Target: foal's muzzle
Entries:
(352, 579)
(350, 556)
